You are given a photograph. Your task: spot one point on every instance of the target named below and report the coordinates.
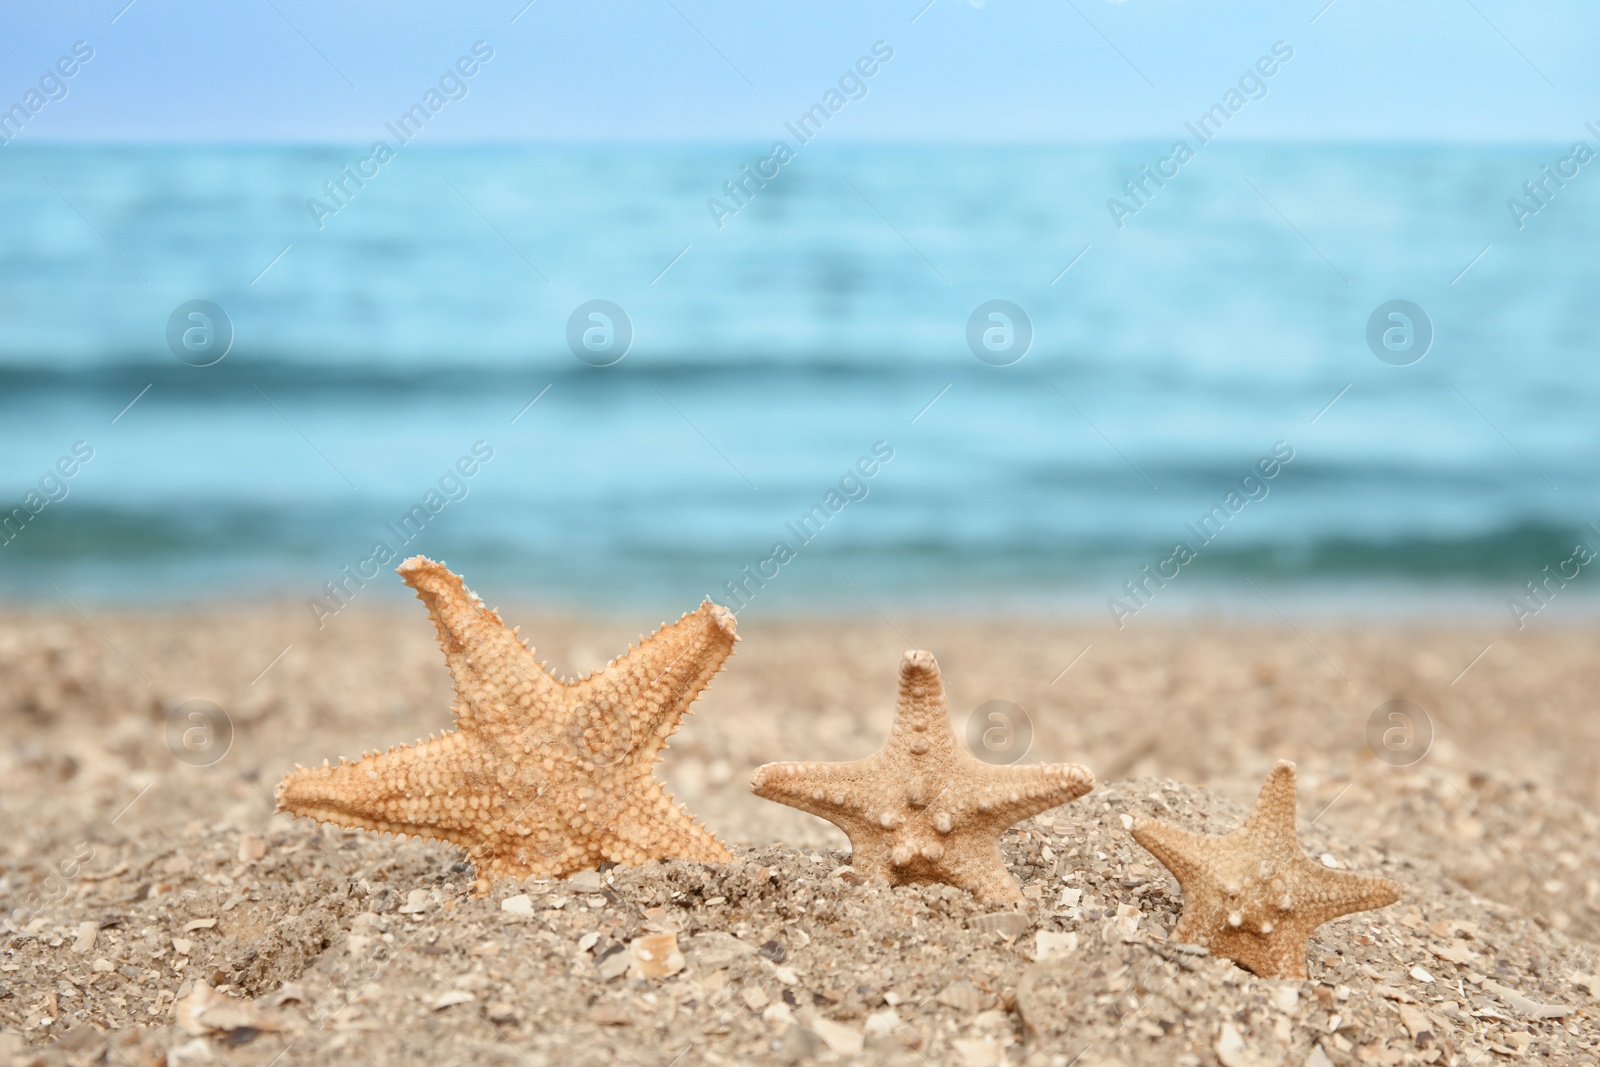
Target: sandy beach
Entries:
(157, 906)
(1138, 454)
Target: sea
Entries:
(1082, 380)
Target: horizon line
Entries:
(499, 141)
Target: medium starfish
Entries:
(542, 777)
(1254, 896)
(921, 809)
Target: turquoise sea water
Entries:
(827, 316)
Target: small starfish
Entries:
(921, 809)
(1254, 896)
(542, 777)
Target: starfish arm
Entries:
(1280, 955)
(1178, 850)
(496, 677)
(1007, 795)
(651, 825)
(1328, 894)
(646, 691)
(837, 792)
(1287, 955)
(433, 789)
(1275, 806)
(981, 871)
(921, 713)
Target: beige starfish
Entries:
(541, 777)
(1254, 896)
(921, 809)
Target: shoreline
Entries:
(1418, 605)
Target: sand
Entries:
(156, 908)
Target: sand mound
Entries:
(337, 944)
(154, 909)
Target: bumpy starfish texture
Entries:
(921, 809)
(542, 777)
(1254, 896)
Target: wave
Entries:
(353, 372)
(70, 533)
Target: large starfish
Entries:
(541, 777)
(1254, 896)
(921, 809)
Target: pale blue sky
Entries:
(705, 70)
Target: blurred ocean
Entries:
(770, 355)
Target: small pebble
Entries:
(609, 1015)
(613, 963)
(1051, 944)
(1230, 1048)
(417, 901)
(882, 1023)
(452, 998)
(87, 933)
(962, 996)
(839, 1038)
(585, 882)
(251, 848)
(983, 1052)
(1008, 924)
(654, 956)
